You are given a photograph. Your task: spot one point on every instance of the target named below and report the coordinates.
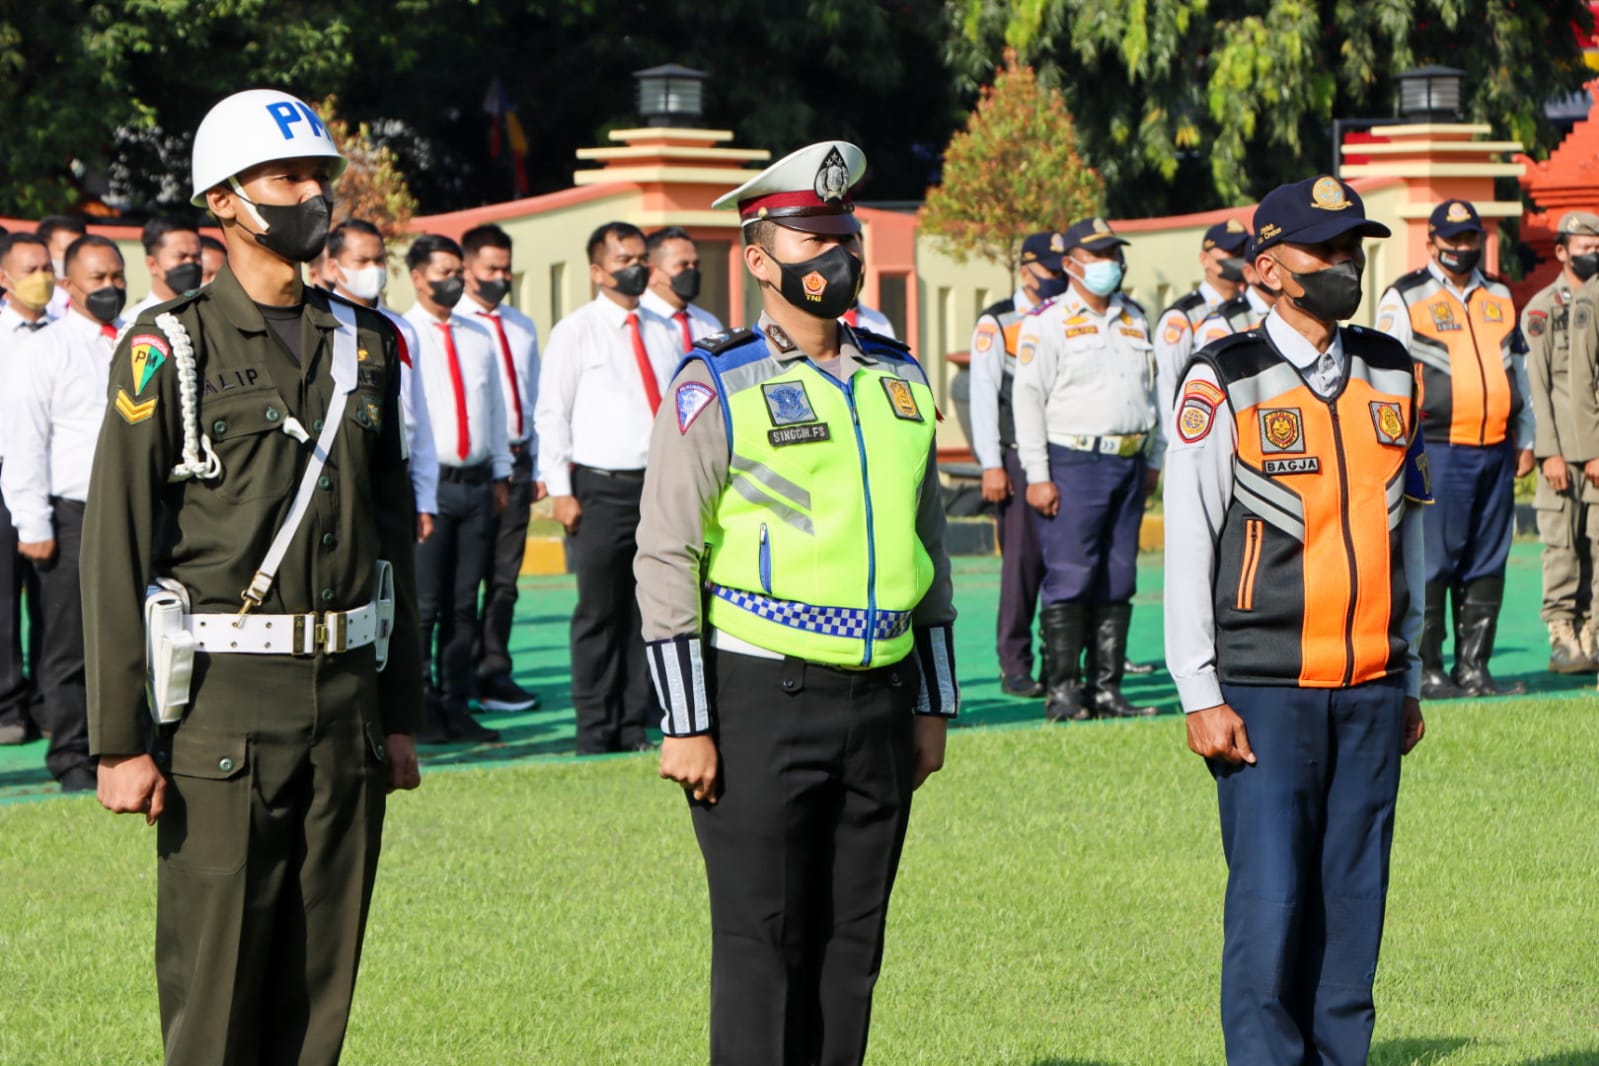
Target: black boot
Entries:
(1435, 683)
(1474, 639)
(1063, 625)
(433, 729)
(1108, 656)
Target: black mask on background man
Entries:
(632, 280)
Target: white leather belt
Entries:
(1122, 444)
(299, 635)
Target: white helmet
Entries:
(256, 126)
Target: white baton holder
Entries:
(168, 651)
(383, 599)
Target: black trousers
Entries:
(800, 853)
(16, 576)
(508, 543)
(611, 690)
(449, 569)
(61, 666)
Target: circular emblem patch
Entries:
(1328, 195)
(1458, 212)
(814, 284)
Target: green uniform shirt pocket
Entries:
(258, 457)
(206, 825)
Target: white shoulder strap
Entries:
(344, 379)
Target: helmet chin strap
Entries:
(249, 205)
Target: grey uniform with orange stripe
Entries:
(1285, 462)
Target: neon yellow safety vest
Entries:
(812, 546)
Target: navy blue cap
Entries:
(1044, 248)
(1453, 217)
(1229, 236)
(1310, 212)
(1093, 234)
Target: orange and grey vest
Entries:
(1310, 545)
(1463, 358)
(1010, 325)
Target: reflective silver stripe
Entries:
(1396, 499)
(1270, 502)
(1435, 356)
(1281, 497)
(772, 480)
(750, 375)
(696, 667)
(1395, 382)
(789, 515)
(1273, 381)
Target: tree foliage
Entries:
(1014, 170)
(371, 187)
(1193, 104)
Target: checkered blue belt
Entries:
(848, 622)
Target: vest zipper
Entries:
(1482, 377)
(1349, 541)
(766, 561)
(866, 488)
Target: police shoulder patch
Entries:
(987, 331)
(716, 343)
(1537, 322)
(1194, 419)
(148, 352)
(693, 397)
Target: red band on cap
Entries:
(776, 201)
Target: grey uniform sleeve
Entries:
(1199, 489)
(1583, 384)
(685, 476)
(1035, 375)
(933, 620)
(1393, 317)
(1536, 329)
(1174, 343)
(1413, 550)
(987, 356)
(1525, 425)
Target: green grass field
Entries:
(1059, 902)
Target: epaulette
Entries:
(1185, 303)
(1045, 306)
(717, 343)
(882, 341)
(1416, 278)
(1134, 304)
(178, 303)
(999, 307)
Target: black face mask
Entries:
(447, 293)
(1049, 288)
(1585, 266)
(633, 280)
(1232, 269)
(492, 292)
(297, 232)
(1459, 262)
(824, 286)
(183, 277)
(105, 304)
(686, 286)
(1332, 294)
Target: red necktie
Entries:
(108, 330)
(463, 436)
(853, 317)
(646, 371)
(510, 370)
(688, 337)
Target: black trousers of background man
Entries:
(508, 545)
(16, 575)
(449, 569)
(611, 689)
(61, 667)
(800, 853)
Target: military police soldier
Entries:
(250, 513)
(1221, 258)
(796, 602)
(1564, 499)
(1088, 434)
(1293, 574)
(1460, 327)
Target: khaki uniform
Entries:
(275, 778)
(1566, 525)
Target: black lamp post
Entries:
(1426, 94)
(671, 95)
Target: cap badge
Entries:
(1328, 195)
(1458, 212)
(832, 178)
(1100, 226)
(1057, 243)
(1234, 226)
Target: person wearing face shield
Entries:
(51, 414)
(1294, 488)
(675, 285)
(250, 514)
(1040, 278)
(1221, 258)
(172, 255)
(796, 598)
(1564, 499)
(1087, 432)
(604, 373)
(1460, 327)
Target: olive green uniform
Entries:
(275, 778)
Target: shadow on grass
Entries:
(1566, 1058)
(1417, 1051)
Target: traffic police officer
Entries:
(1460, 327)
(1221, 259)
(268, 794)
(1088, 434)
(1294, 449)
(1564, 499)
(797, 607)
(1040, 278)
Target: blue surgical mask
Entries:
(1102, 276)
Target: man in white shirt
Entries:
(516, 362)
(605, 368)
(54, 405)
(455, 361)
(29, 281)
(675, 285)
(1220, 258)
(358, 265)
(864, 316)
(172, 255)
(57, 232)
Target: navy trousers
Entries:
(1307, 832)
(1090, 547)
(1469, 526)
(1021, 572)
